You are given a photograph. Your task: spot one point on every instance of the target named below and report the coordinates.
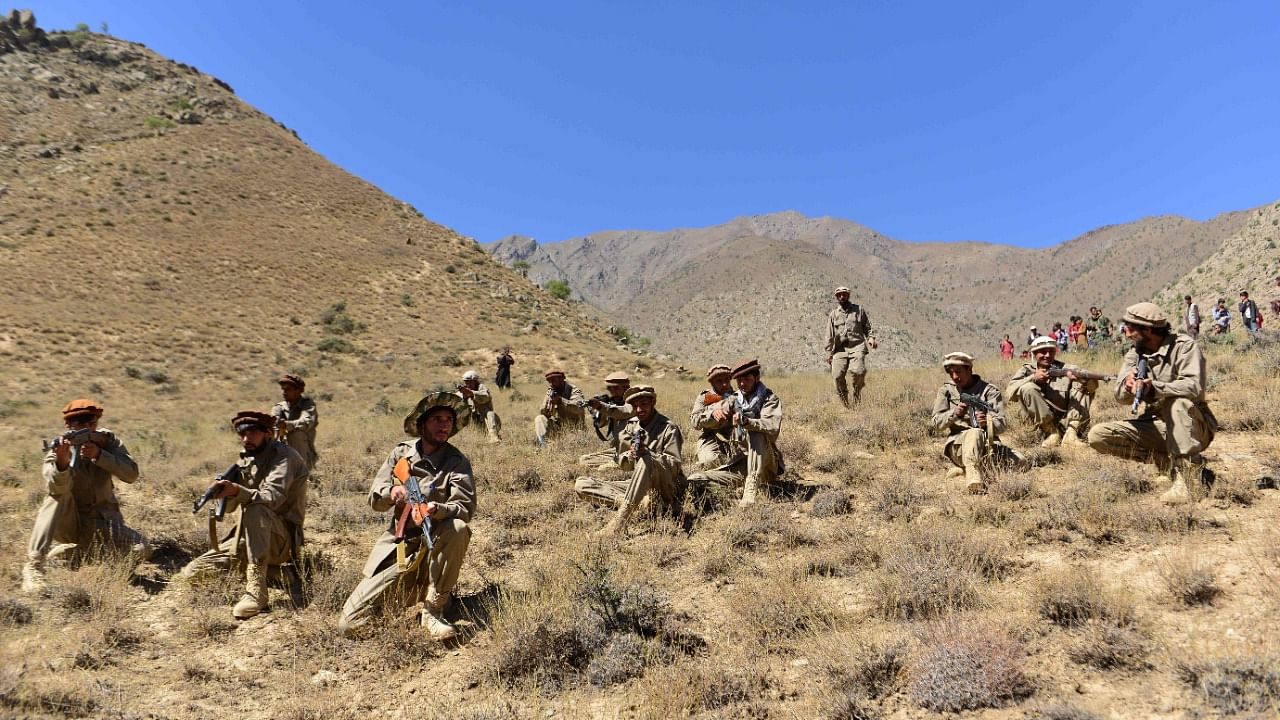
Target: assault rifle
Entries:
(415, 506)
(1141, 373)
(1055, 373)
(76, 438)
(594, 413)
(639, 443)
(219, 511)
(739, 413)
(280, 431)
(975, 403)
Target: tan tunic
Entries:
(663, 444)
(301, 420)
(1176, 371)
(451, 485)
(847, 328)
(712, 434)
(570, 408)
(88, 482)
(275, 478)
(948, 397)
(481, 401)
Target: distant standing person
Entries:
(505, 361)
(1076, 330)
(1006, 348)
(1032, 334)
(1060, 337)
(1100, 325)
(1275, 301)
(296, 419)
(1249, 313)
(1192, 317)
(848, 341)
(1221, 317)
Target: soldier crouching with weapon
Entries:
(609, 410)
(81, 506)
(562, 408)
(430, 484)
(1054, 396)
(754, 415)
(268, 485)
(971, 411)
(713, 433)
(649, 452)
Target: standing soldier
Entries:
(610, 411)
(505, 361)
(296, 419)
(80, 507)
(563, 408)
(713, 434)
(1099, 327)
(480, 403)
(420, 554)
(1176, 424)
(972, 431)
(848, 340)
(755, 415)
(649, 450)
(1192, 317)
(269, 486)
(1054, 396)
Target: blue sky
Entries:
(1025, 123)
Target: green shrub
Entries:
(335, 345)
(558, 288)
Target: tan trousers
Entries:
(1048, 409)
(1178, 429)
(263, 538)
(58, 522)
(432, 580)
(851, 362)
(629, 491)
(544, 427)
(597, 458)
(712, 452)
(492, 425)
(966, 450)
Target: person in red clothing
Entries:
(1076, 330)
(1006, 348)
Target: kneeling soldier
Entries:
(649, 447)
(609, 410)
(430, 484)
(480, 402)
(1054, 396)
(80, 507)
(973, 430)
(297, 418)
(713, 435)
(563, 408)
(755, 415)
(1164, 373)
(268, 484)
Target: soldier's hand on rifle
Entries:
(872, 343)
(719, 413)
(594, 403)
(465, 391)
(829, 356)
(431, 509)
(980, 416)
(1040, 376)
(90, 450)
(960, 410)
(226, 489)
(399, 494)
(62, 453)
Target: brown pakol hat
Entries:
(249, 419)
(617, 378)
(553, 372)
(749, 366)
(719, 370)
(291, 379)
(641, 391)
(1145, 314)
(81, 406)
(957, 358)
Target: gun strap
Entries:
(213, 529)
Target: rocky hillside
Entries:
(764, 282)
(1248, 260)
(158, 233)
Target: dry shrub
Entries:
(60, 694)
(756, 525)
(1094, 511)
(851, 706)
(1232, 490)
(1164, 519)
(796, 448)
(1072, 597)
(498, 710)
(990, 511)
(326, 583)
(1011, 487)
(830, 462)
(775, 613)
(1065, 711)
(872, 670)
(1123, 476)
(842, 560)
(931, 570)
(966, 665)
(884, 427)
(13, 612)
(621, 659)
(1235, 684)
(1106, 646)
(897, 497)
(830, 502)
(1189, 579)
(720, 561)
(685, 689)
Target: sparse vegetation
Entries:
(558, 289)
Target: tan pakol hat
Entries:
(1041, 343)
(641, 391)
(746, 366)
(617, 378)
(841, 289)
(957, 358)
(719, 370)
(82, 406)
(250, 419)
(1145, 314)
(553, 372)
(291, 379)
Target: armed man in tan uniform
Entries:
(972, 432)
(562, 409)
(480, 404)
(1055, 397)
(419, 556)
(649, 451)
(268, 484)
(297, 418)
(609, 414)
(848, 341)
(713, 435)
(80, 506)
(1176, 424)
(755, 416)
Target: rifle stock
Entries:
(1140, 373)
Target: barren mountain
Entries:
(1248, 260)
(762, 284)
(152, 224)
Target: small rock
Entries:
(48, 152)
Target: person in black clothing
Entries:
(505, 361)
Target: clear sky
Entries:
(1015, 122)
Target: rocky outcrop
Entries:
(18, 31)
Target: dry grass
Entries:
(1189, 578)
(967, 664)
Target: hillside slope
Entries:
(689, 288)
(1248, 260)
(155, 225)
